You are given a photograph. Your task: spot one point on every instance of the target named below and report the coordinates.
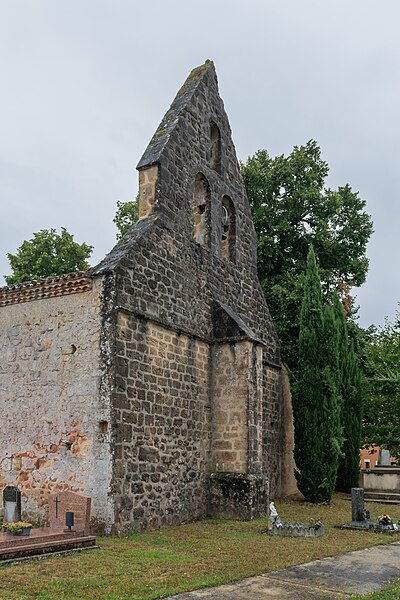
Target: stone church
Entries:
(153, 382)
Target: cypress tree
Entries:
(331, 400)
(353, 401)
(351, 396)
(315, 394)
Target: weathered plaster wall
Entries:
(54, 429)
(288, 483)
(161, 433)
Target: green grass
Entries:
(154, 565)
(391, 592)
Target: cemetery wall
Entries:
(381, 479)
(52, 434)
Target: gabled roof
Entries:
(160, 138)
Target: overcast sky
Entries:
(85, 83)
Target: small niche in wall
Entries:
(215, 147)
(103, 426)
(68, 350)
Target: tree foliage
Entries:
(381, 423)
(127, 214)
(291, 210)
(352, 393)
(316, 406)
(47, 254)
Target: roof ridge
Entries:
(163, 132)
(32, 283)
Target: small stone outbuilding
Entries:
(153, 383)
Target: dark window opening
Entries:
(228, 228)
(215, 147)
(201, 203)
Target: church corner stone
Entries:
(162, 396)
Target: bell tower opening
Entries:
(201, 210)
(215, 147)
(228, 228)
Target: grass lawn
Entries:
(391, 592)
(154, 565)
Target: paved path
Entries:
(341, 576)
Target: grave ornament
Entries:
(11, 504)
(278, 527)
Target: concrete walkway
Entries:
(341, 576)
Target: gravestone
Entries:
(357, 504)
(384, 458)
(63, 502)
(11, 504)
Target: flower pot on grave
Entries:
(20, 528)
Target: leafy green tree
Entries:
(47, 254)
(292, 209)
(352, 392)
(381, 423)
(316, 405)
(127, 214)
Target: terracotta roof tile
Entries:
(71, 283)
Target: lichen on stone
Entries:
(195, 74)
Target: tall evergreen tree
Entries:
(331, 399)
(352, 392)
(315, 395)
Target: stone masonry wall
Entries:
(161, 436)
(274, 428)
(230, 398)
(53, 432)
(167, 275)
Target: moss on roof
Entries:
(160, 138)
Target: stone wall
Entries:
(189, 268)
(230, 428)
(381, 479)
(161, 434)
(54, 432)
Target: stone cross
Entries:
(11, 504)
(357, 504)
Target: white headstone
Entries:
(384, 458)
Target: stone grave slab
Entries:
(357, 504)
(63, 502)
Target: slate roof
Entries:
(160, 138)
(124, 245)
